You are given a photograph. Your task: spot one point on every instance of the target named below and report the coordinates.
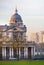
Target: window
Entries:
(0, 35)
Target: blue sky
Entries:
(31, 11)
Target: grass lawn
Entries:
(22, 62)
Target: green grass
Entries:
(23, 62)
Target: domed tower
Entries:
(16, 18)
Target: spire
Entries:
(16, 10)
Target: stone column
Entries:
(32, 52)
(3, 52)
(10, 53)
(25, 53)
(19, 53)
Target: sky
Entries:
(31, 11)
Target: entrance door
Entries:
(7, 52)
(29, 52)
(15, 52)
(0, 53)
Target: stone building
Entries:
(13, 43)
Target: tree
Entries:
(17, 41)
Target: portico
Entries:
(10, 52)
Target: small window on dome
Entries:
(15, 29)
(18, 24)
(15, 21)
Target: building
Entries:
(13, 43)
(38, 37)
(33, 37)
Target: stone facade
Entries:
(13, 43)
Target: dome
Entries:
(15, 17)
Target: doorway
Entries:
(7, 52)
(15, 52)
(29, 52)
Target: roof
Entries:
(15, 18)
